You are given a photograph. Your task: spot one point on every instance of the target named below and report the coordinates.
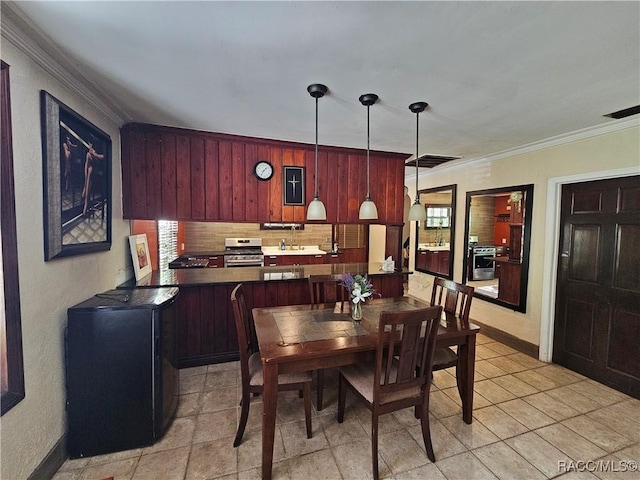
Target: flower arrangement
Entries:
(358, 286)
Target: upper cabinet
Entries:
(176, 174)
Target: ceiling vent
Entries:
(429, 161)
(627, 112)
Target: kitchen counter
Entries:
(222, 276)
(302, 250)
(433, 248)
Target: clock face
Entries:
(263, 170)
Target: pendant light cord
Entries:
(417, 137)
(368, 190)
(316, 174)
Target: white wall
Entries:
(600, 153)
(32, 428)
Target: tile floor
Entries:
(530, 419)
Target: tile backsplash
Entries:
(209, 236)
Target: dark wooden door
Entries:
(597, 326)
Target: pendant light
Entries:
(368, 210)
(316, 210)
(417, 211)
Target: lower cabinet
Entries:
(509, 284)
(433, 261)
(205, 329)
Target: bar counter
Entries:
(205, 330)
(190, 277)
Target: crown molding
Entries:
(562, 139)
(21, 32)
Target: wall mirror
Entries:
(435, 236)
(497, 240)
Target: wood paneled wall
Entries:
(177, 174)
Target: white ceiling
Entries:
(497, 75)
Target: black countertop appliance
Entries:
(122, 379)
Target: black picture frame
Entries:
(76, 157)
(293, 185)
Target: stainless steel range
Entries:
(482, 267)
(243, 252)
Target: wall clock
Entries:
(263, 170)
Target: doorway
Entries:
(597, 318)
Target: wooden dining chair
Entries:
(455, 298)
(251, 367)
(325, 289)
(392, 382)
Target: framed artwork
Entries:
(140, 255)
(293, 185)
(77, 182)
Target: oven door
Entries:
(231, 261)
(483, 268)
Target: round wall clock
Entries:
(263, 170)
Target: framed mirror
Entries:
(497, 241)
(435, 236)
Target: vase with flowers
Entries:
(359, 288)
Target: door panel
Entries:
(597, 325)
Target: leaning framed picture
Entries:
(293, 185)
(76, 159)
(140, 255)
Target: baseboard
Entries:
(509, 340)
(52, 462)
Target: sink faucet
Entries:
(293, 236)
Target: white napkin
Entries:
(388, 265)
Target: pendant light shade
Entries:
(417, 212)
(316, 210)
(368, 210)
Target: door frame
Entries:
(552, 239)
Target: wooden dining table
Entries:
(309, 337)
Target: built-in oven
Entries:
(482, 267)
(243, 252)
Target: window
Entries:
(11, 370)
(438, 216)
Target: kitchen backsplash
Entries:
(208, 236)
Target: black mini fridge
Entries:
(121, 375)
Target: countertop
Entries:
(438, 248)
(504, 259)
(219, 276)
(302, 250)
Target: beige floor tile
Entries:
(598, 393)
(628, 408)
(575, 446)
(551, 406)
(618, 423)
(294, 436)
(222, 367)
(576, 400)
(340, 433)
(188, 404)
(493, 392)
(445, 444)
(179, 434)
(536, 380)
(401, 452)
(515, 385)
(189, 372)
(443, 379)
(250, 450)
(597, 433)
(507, 464)
(501, 348)
(407, 417)
(386, 423)
(441, 405)
(573, 475)
(211, 426)
(224, 378)
(478, 400)
(526, 360)
(631, 453)
(120, 470)
(168, 465)
(484, 352)
(220, 399)
(315, 465)
(74, 464)
(68, 474)
(526, 414)
(471, 436)
(611, 468)
(499, 422)
(559, 374)
(354, 460)
(539, 452)
(212, 459)
(425, 472)
(481, 339)
(192, 383)
(114, 457)
(506, 364)
(489, 370)
(280, 471)
(465, 466)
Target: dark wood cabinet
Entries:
(177, 174)
(509, 284)
(435, 261)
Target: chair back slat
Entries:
(244, 328)
(402, 347)
(326, 289)
(455, 298)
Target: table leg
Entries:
(465, 376)
(269, 406)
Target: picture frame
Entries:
(293, 185)
(76, 157)
(140, 257)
